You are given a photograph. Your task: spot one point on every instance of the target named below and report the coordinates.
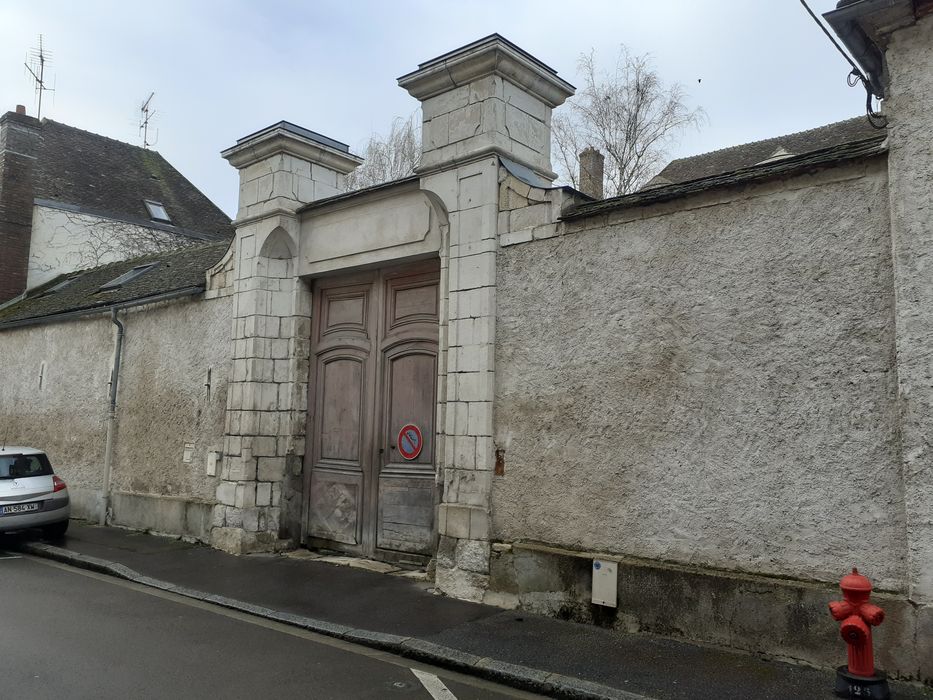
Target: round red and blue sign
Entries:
(410, 441)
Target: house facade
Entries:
(71, 200)
(720, 383)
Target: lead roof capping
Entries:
(129, 276)
(490, 55)
(285, 137)
(300, 131)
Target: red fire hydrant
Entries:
(860, 679)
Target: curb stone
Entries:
(514, 675)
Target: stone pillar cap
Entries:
(285, 137)
(490, 55)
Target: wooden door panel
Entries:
(341, 400)
(406, 514)
(416, 303)
(344, 310)
(375, 358)
(341, 411)
(410, 379)
(336, 499)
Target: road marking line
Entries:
(434, 685)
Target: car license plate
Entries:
(20, 508)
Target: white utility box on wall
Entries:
(605, 582)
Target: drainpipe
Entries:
(111, 415)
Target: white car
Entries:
(31, 496)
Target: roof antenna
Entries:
(856, 76)
(146, 113)
(35, 63)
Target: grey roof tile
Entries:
(783, 167)
(180, 269)
(105, 176)
(749, 154)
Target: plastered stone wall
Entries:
(173, 389)
(65, 415)
(709, 382)
(162, 401)
(909, 108)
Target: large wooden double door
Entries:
(374, 372)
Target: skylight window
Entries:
(126, 277)
(59, 287)
(157, 211)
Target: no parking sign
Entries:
(410, 441)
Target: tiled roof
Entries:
(182, 269)
(108, 177)
(782, 167)
(747, 155)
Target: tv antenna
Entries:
(36, 61)
(146, 113)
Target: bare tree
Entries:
(389, 157)
(629, 115)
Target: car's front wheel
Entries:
(56, 531)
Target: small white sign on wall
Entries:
(212, 458)
(189, 453)
(605, 582)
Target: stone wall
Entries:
(259, 497)
(706, 391)
(909, 60)
(169, 421)
(484, 101)
(711, 384)
(267, 403)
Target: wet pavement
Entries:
(403, 615)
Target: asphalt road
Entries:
(67, 633)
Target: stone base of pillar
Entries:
(461, 584)
(235, 540)
(462, 568)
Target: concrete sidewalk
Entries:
(395, 613)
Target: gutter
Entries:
(111, 415)
(71, 315)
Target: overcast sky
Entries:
(221, 69)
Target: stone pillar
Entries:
(592, 169)
(281, 169)
(484, 101)
(909, 108)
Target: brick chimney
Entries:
(592, 167)
(19, 146)
(21, 109)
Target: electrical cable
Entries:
(856, 76)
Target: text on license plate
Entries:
(20, 508)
